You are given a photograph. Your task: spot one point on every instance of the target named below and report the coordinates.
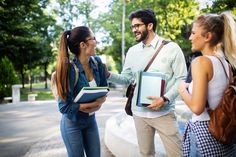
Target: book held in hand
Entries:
(150, 84)
(89, 94)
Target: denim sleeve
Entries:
(68, 106)
(102, 73)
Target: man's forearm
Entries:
(119, 79)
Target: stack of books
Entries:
(90, 94)
(150, 84)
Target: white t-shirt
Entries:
(216, 87)
(92, 84)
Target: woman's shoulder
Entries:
(201, 61)
(202, 65)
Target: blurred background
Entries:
(30, 31)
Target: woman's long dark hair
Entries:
(71, 40)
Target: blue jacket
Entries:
(71, 109)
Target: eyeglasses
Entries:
(136, 26)
(92, 38)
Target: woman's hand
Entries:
(92, 106)
(157, 103)
(182, 87)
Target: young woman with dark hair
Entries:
(78, 124)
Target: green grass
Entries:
(37, 85)
(42, 95)
(37, 88)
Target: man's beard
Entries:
(144, 35)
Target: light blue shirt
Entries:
(170, 61)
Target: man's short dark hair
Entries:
(146, 16)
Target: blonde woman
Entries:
(214, 35)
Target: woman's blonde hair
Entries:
(223, 29)
(229, 38)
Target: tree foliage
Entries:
(8, 77)
(74, 13)
(28, 31)
(219, 6)
(173, 20)
(25, 33)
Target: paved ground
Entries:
(31, 129)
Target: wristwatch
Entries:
(166, 100)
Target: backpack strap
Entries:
(76, 73)
(77, 69)
(53, 85)
(95, 61)
(228, 77)
(230, 74)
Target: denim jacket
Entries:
(71, 109)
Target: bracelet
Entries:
(165, 99)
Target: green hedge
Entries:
(8, 77)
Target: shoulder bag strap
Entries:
(230, 74)
(164, 42)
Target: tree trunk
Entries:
(22, 77)
(30, 75)
(45, 75)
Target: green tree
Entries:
(72, 14)
(79, 12)
(25, 33)
(219, 6)
(8, 77)
(75, 13)
(173, 16)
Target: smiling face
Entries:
(197, 38)
(139, 29)
(90, 43)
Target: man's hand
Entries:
(92, 106)
(157, 103)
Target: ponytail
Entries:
(62, 67)
(70, 40)
(229, 37)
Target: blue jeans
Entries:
(81, 136)
(194, 152)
